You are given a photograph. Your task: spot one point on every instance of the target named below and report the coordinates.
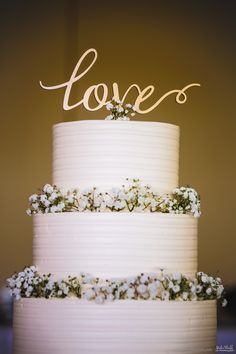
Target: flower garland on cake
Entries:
(163, 286)
(133, 196)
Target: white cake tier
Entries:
(72, 326)
(105, 153)
(114, 244)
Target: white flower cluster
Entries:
(50, 200)
(29, 283)
(133, 196)
(119, 111)
(162, 286)
(210, 288)
(184, 200)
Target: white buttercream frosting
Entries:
(114, 244)
(104, 153)
(72, 326)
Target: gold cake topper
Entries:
(102, 98)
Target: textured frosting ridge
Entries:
(114, 244)
(78, 326)
(104, 153)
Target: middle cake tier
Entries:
(114, 244)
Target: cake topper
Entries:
(100, 91)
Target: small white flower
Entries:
(123, 118)
(153, 289)
(108, 200)
(70, 199)
(208, 291)
(109, 106)
(110, 297)
(211, 280)
(176, 288)
(35, 281)
(185, 296)
(66, 290)
(50, 285)
(46, 203)
(89, 294)
(119, 205)
(18, 284)
(48, 188)
(43, 197)
(224, 303)
(165, 295)
(29, 212)
(124, 287)
(198, 289)
(16, 293)
(30, 289)
(83, 203)
(204, 278)
(100, 299)
(35, 206)
(154, 203)
(219, 290)
(130, 293)
(142, 289)
(120, 109)
(192, 197)
(110, 117)
(33, 198)
(11, 282)
(53, 196)
(144, 278)
(53, 209)
(60, 206)
(170, 285)
(193, 289)
(128, 105)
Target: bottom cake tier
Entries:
(74, 326)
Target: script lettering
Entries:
(100, 91)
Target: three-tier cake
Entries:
(113, 245)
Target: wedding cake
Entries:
(137, 266)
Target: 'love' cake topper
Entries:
(100, 91)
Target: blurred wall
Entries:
(168, 44)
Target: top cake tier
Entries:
(104, 153)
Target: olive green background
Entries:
(168, 44)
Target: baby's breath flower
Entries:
(208, 291)
(119, 111)
(224, 302)
(48, 188)
(33, 198)
(176, 288)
